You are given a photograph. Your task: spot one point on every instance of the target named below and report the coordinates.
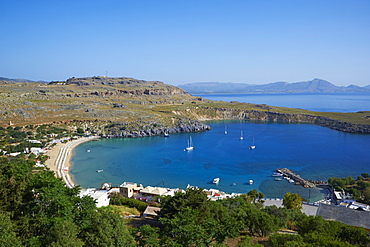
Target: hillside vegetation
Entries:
(129, 107)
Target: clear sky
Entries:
(180, 42)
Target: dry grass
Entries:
(35, 103)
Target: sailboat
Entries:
(252, 147)
(241, 135)
(190, 145)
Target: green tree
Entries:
(279, 240)
(246, 242)
(353, 235)
(184, 229)
(145, 236)
(64, 233)
(287, 217)
(105, 228)
(8, 237)
(366, 194)
(292, 201)
(193, 198)
(191, 219)
(80, 131)
(311, 223)
(253, 194)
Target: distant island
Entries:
(19, 80)
(313, 86)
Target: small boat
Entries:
(234, 184)
(277, 174)
(190, 145)
(88, 151)
(225, 130)
(253, 146)
(166, 135)
(216, 180)
(241, 135)
(278, 179)
(250, 181)
(99, 170)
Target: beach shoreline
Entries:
(60, 159)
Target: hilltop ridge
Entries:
(314, 86)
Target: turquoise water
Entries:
(326, 102)
(312, 151)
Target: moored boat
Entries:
(253, 146)
(277, 174)
(190, 145)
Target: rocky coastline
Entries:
(194, 126)
(227, 113)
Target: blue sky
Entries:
(179, 42)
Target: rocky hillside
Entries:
(94, 101)
(126, 107)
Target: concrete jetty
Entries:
(297, 179)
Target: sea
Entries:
(313, 152)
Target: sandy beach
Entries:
(60, 158)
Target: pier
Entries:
(297, 179)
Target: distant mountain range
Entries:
(314, 86)
(19, 80)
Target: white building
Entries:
(129, 189)
(357, 205)
(101, 197)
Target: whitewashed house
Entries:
(101, 197)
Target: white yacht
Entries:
(190, 145)
(216, 180)
(253, 146)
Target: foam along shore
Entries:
(60, 159)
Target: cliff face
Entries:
(152, 128)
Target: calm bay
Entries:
(312, 151)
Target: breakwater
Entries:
(297, 178)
